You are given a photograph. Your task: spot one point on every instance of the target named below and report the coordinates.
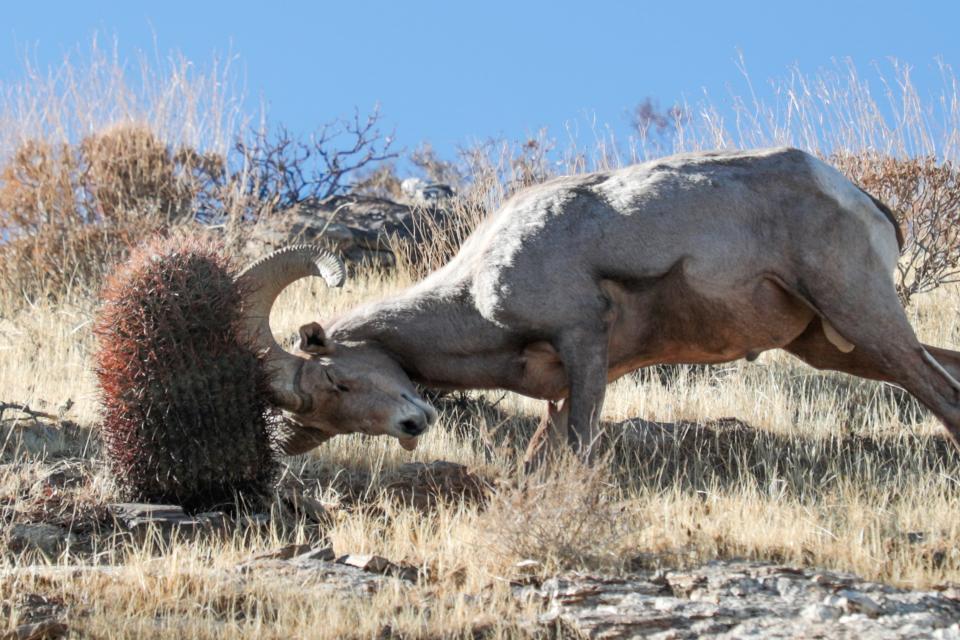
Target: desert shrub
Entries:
(70, 211)
(173, 152)
(380, 181)
(97, 154)
(567, 515)
(924, 194)
(61, 260)
(127, 168)
(37, 188)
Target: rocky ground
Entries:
(723, 599)
(736, 599)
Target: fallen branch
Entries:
(25, 409)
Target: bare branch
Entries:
(283, 170)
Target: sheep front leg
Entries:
(584, 356)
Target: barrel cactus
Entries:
(185, 394)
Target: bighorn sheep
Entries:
(696, 258)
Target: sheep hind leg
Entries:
(893, 355)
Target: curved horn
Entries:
(263, 281)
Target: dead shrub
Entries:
(566, 515)
(924, 194)
(435, 169)
(380, 182)
(38, 188)
(70, 211)
(61, 259)
(278, 170)
(127, 168)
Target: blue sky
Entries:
(452, 73)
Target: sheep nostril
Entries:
(413, 427)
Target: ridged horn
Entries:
(263, 281)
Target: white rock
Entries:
(950, 633)
(857, 602)
(820, 612)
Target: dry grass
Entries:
(766, 460)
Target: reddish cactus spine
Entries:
(185, 395)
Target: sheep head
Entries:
(327, 389)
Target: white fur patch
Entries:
(879, 230)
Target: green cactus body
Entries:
(185, 394)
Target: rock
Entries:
(949, 633)
(855, 602)
(423, 191)
(38, 616)
(378, 564)
(820, 612)
(735, 599)
(49, 539)
(311, 573)
(296, 552)
(325, 554)
(66, 476)
(375, 564)
(45, 630)
(951, 591)
(683, 585)
(316, 570)
(42, 437)
(832, 580)
(306, 505)
(140, 518)
(359, 227)
(283, 553)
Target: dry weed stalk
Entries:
(567, 515)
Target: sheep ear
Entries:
(313, 340)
